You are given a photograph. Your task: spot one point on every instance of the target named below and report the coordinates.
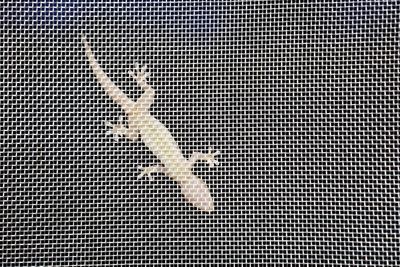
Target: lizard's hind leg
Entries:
(119, 129)
(148, 171)
(147, 98)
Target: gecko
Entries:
(141, 124)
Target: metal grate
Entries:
(302, 100)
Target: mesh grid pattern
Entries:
(302, 100)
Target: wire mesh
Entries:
(301, 98)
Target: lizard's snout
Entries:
(197, 193)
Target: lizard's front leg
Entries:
(208, 157)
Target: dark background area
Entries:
(302, 99)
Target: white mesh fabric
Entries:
(302, 100)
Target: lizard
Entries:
(141, 124)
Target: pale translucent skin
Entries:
(155, 136)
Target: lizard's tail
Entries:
(111, 89)
(197, 193)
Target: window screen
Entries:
(300, 98)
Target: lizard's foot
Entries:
(210, 157)
(139, 74)
(148, 171)
(117, 130)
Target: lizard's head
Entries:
(197, 193)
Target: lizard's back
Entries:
(160, 141)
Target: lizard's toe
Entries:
(211, 157)
(108, 124)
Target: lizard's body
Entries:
(155, 136)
